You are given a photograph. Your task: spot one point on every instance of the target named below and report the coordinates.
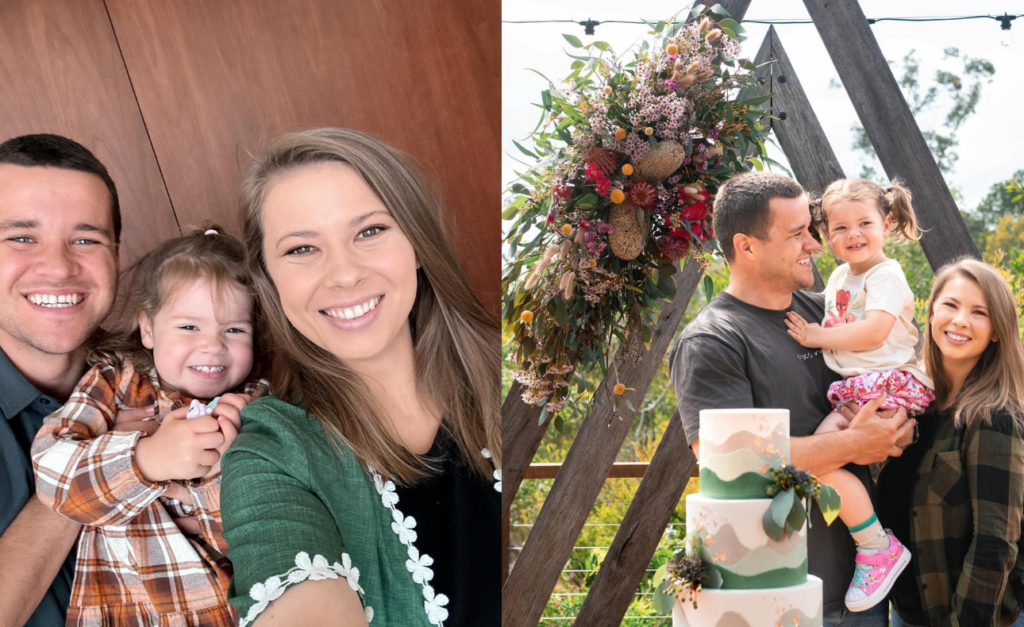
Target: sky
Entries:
(988, 149)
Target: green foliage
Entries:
(956, 89)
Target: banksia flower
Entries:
(660, 162)
(627, 240)
(605, 160)
(642, 194)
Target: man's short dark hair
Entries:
(54, 151)
(741, 206)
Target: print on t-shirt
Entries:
(849, 307)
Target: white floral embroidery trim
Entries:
(497, 471)
(418, 564)
(318, 568)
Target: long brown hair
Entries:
(456, 340)
(147, 285)
(997, 381)
(894, 202)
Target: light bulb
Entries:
(1007, 37)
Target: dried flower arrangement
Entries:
(630, 156)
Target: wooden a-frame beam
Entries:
(891, 127)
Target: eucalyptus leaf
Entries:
(829, 502)
(697, 10)
(781, 504)
(573, 40)
(602, 46)
(561, 313)
(663, 601)
(797, 516)
(714, 580)
(630, 406)
(771, 529)
(666, 285)
(543, 416)
(510, 212)
(709, 288)
(524, 150)
(719, 10)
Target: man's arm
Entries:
(870, 439)
(34, 547)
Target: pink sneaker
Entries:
(875, 575)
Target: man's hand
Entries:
(136, 420)
(879, 438)
(807, 334)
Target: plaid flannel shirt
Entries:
(134, 566)
(966, 523)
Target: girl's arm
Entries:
(84, 470)
(856, 336)
(995, 475)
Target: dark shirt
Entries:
(22, 409)
(736, 355)
(458, 516)
(893, 497)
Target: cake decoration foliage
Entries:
(791, 491)
(686, 574)
(630, 153)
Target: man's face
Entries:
(58, 259)
(785, 257)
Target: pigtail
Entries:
(897, 205)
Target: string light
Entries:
(1004, 21)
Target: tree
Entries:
(1003, 199)
(958, 92)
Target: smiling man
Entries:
(736, 353)
(59, 229)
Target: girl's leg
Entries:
(856, 507)
(832, 422)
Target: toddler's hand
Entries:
(228, 413)
(808, 335)
(180, 448)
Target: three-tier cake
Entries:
(763, 582)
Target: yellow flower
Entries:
(672, 49)
(566, 229)
(627, 169)
(526, 317)
(648, 131)
(620, 133)
(607, 90)
(617, 196)
(620, 388)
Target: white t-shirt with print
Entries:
(848, 298)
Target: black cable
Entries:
(783, 21)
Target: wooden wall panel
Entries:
(61, 72)
(214, 79)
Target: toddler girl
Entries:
(184, 333)
(868, 336)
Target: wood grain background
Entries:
(174, 95)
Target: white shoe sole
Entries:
(883, 591)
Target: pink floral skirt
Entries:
(902, 389)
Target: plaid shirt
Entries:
(134, 566)
(965, 527)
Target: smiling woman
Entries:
(379, 461)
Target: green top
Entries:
(295, 509)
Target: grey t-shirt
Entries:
(735, 355)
